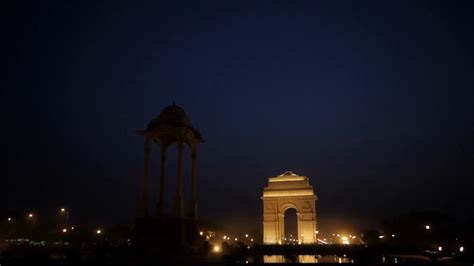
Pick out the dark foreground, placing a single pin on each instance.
(127, 255)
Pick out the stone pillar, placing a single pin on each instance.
(193, 198)
(143, 202)
(161, 195)
(299, 231)
(281, 228)
(178, 204)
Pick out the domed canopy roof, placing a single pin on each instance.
(172, 115)
(171, 119)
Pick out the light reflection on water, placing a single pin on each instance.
(305, 259)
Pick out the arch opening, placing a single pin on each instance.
(290, 228)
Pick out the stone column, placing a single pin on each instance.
(300, 231)
(281, 228)
(178, 205)
(161, 195)
(143, 202)
(193, 198)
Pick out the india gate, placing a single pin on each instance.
(284, 192)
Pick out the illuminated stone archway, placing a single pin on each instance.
(283, 192)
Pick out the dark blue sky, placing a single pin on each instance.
(372, 101)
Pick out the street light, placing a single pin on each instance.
(30, 215)
(427, 227)
(98, 231)
(64, 211)
(64, 230)
(9, 219)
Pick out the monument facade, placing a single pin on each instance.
(284, 192)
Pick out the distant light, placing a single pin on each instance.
(246, 235)
(353, 237)
(461, 249)
(317, 232)
(72, 227)
(393, 235)
(235, 239)
(63, 209)
(251, 240)
(228, 238)
(427, 227)
(345, 240)
(9, 219)
(64, 230)
(440, 248)
(224, 237)
(201, 233)
(338, 235)
(30, 215)
(381, 236)
(324, 242)
(216, 249)
(98, 232)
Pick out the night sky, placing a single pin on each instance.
(373, 101)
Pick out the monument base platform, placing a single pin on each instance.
(165, 236)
